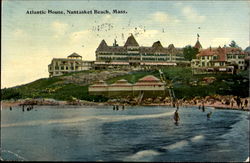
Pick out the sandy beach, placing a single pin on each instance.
(217, 104)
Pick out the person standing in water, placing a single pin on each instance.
(209, 115)
(176, 116)
(203, 107)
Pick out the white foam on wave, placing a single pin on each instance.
(197, 138)
(143, 155)
(176, 145)
(15, 154)
(109, 118)
(132, 117)
(44, 122)
(147, 154)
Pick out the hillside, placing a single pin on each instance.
(76, 84)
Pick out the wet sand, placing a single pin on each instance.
(216, 105)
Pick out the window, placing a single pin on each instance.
(62, 68)
(67, 68)
(56, 68)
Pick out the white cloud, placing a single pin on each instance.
(220, 41)
(160, 17)
(148, 37)
(192, 15)
(163, 17)
(59, 28)
(150, 33)
(78, 36)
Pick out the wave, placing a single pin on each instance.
(147, 154)
(184, 143)
(197, 138)
(15, 154)
(142, 155)
(84, 118)
(176, 145)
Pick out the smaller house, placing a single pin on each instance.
(216, 60)
(149, 85)
(73, 63)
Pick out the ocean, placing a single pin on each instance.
(137, 133)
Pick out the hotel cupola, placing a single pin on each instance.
(75, 56)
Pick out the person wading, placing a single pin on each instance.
(209, 115)
(176, 116)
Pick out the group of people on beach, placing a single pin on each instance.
(241, 104)
(29, 107)
(233, 102)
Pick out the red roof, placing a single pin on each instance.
(149, 78)
(220, 52)
(99, 83)
(121, 82)
(208, 52)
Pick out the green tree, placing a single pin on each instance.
(10, 93)
(233, 44)
(190, 52)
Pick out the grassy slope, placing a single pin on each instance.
(225, 84)
(55, 88)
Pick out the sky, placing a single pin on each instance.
(30, 41)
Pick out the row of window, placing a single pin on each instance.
(126, 59)
(235, 56)
(241, 62)
(211, 64)
(138, 54)
(68, 63)
(66, 68)
(210, 57)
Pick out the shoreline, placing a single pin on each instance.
(30, 102)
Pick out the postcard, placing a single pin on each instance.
(154, 81)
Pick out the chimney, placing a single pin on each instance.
(115, 43)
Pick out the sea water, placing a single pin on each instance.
(67, 133)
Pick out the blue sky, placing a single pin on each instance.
(29, 42)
